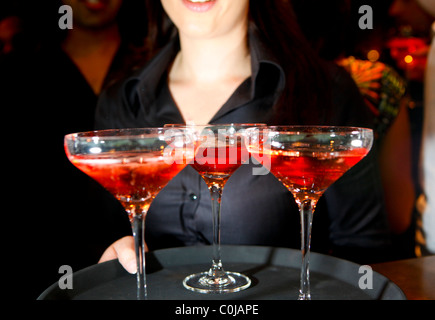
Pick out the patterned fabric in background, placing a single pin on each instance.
(382, 88)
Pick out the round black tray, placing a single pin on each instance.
(274, 273)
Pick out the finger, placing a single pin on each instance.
(109, 254)
(123, 250)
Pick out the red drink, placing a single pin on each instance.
(133, 178)
(219, 152)
(219, 163)
(313, 172)
(307, 160)
(133, 164)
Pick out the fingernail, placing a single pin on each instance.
(131, 266)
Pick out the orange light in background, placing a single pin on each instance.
(373, 55)
(408, 58)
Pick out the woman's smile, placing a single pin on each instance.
(203, 19)
(199, 5)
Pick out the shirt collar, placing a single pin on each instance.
(145, 84)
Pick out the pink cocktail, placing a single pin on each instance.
(307, 160)
(133, 165)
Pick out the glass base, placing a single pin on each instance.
(226, 283)
(304, 296)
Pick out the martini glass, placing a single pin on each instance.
(219, 151)
(307, 160)
(133, 165)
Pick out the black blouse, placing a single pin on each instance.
(350, 218)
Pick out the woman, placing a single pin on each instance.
(246, 61)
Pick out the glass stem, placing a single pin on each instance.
(138, 228)
(216, 196)
(306, 208)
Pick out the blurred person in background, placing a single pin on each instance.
(51, 89)
(334, 32)
(428, 143)
(414, 20)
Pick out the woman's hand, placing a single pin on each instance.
(123, 250)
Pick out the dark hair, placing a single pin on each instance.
(159, 27)
(327, 27)
(306, 85)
